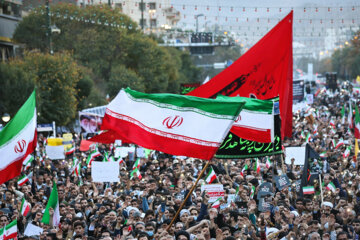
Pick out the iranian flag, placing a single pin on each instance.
(18, 140)
(92, 156)
(308, 138)
(343, 115)
(175, 124)
(333, 142)
(27, 162)
(217, 203)
(268, 162)
(244, 169)
(120, 160)
(309, 190)
(357, 123)
(257, 166)
(70, 151)
(10, 231)
(252, 192)
(22, 180)
(340, 143)
(136, 172)
(136, 164)
(331, 186)
(332, 123)
(2, 233)
(211, 176)
(256, 120)
(322, 154)
(25, 207)
(54, 204)
(347, 152)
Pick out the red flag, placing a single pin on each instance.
(265, 71)
(108, 137)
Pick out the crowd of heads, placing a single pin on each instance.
(142, 209)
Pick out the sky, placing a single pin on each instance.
(250, 20)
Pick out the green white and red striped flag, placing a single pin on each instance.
(106, 157)
(268, 162)
(331, 186)
(136, 164)
(347, 152)
(70, 151)
(333, 131)
(302, 135)
(92, 156)
(252, 192)
(333, 142)
(2, 230)
(136, 172)
(54, 204)
(308, 137)
(22, 180)
(357, 123)
(176, 124)
(332, 123)
(339, 143)
(217, 203)
(322, 154)
(18, 140)
(257, 166)
(343, 115)
(211, 176)
(244, 169)
(27, 162)
(309, 190)
(25, 207)
(10, 231)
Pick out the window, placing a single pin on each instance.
(152, 6)
(152, 23)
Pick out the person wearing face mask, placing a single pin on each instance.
(150, 229)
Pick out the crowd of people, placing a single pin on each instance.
(143, 209)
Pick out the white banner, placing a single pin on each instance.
(55, 152)
(298, 153)
(105, 171)
(214, 191)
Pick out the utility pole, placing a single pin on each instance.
(142, 14)
(48, 26)
(109, 3)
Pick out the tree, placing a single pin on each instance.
(55, 78)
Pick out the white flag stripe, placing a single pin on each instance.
(27, 134)
(154, 116)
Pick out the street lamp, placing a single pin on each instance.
(5, 118)
(197, 23)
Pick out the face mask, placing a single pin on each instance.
(87, 212)
(150, 233)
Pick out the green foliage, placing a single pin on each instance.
(346, 61)
(55, 78)
(122, 77)
(16, 87)
(105, 41)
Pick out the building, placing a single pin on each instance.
(154, 15)
(10, 15)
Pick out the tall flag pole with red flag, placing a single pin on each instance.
(263, 72)
(18, 140)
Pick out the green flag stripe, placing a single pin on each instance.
(251, 104)
(187, 103)
(19, 121)
(53, 201)
(10, 225)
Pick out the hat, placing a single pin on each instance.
(155, 161)
(137, 214)
(184, 211)
(328, 204)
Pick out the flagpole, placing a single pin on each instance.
(321, 191)
(188, 195)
